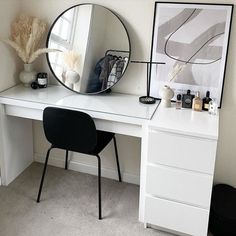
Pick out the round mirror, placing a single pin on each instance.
(94, 48)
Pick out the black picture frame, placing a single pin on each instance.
(196, 53)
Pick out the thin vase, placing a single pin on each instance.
(166, 94)
(72, 77)
(28, 75)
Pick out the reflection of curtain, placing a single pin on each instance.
(61, 38)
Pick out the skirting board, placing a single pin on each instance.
(88, 169)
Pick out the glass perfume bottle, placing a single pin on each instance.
(197, 102)
(187, 100)
(178, 102)
(213, 107)
(205, 101)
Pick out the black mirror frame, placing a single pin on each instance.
(47, 43)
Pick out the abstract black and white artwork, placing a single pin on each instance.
(192, 39)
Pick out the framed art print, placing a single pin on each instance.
(192, 39)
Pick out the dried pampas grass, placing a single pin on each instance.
(71, 60)
(26, 35)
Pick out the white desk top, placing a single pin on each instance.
(186, 121)
(113, 104)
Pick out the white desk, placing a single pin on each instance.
(178, 149)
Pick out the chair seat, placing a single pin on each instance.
(103, 138)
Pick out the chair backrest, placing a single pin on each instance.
(70, 130)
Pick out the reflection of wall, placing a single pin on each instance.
(138, 17)
(95, 44)
(111, 39)
(81, 38)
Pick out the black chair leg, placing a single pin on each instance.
(99, 189)
(44, 171)
(117, 159)
(66, 162)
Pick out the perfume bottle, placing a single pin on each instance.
(187, 100)
(205, 101)
(197, 103)
(178, 102)
(213, 107)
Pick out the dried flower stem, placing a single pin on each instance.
(26, 35)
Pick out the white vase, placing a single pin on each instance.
(28, 75)
(166, 95)
(71, 78)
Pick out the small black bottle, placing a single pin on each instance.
(187, 100)
(205, 101)
(42, 80)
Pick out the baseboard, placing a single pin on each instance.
(89, 169)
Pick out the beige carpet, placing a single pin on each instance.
(68, 206)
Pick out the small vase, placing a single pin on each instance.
(166, 94)
(71, 78)
(28, 75)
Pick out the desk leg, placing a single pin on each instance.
(144, 147)
(16, 146)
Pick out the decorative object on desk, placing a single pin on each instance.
(205, 101)
(197, 102)
(26, 35)
(71, 75)
(42, 80)
(166, 95)
(100, 39)
(187, 99)
(213, 107)
(193, 41)
(34, 85)
(28, 75)
(148, 99)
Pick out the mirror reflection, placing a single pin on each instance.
(94, 48)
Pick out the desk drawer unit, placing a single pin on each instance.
(176, 216)
(178, 185)
(179, 177)
(181, 151)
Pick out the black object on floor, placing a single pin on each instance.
(223, 211)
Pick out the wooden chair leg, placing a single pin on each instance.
(44, 172)
(117, 159)
(99, 189)
(66, 162)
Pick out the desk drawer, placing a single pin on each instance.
(175, 216)
(179, 185)
(182, 151)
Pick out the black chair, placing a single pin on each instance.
(75, 131)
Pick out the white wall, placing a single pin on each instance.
(9, 63)
(137, 16)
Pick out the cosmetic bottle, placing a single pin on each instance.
(213, 107)
(187, 100)
(197, 103)
(178, 103)
(205, 101)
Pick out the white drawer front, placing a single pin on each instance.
(176, 216)
(179, 185)
(182, 151)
